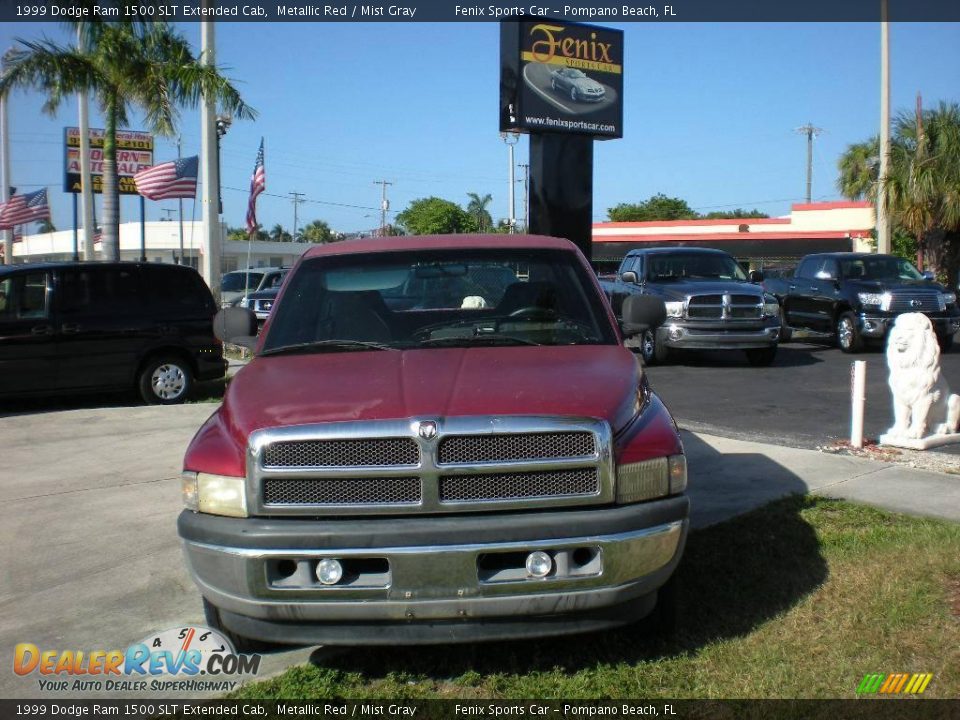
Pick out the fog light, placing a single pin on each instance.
(539, 564)
(675, 332)
(329, 571)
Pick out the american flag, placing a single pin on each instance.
(174, 179)
(258, 183)
(23, 209)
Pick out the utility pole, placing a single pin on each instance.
(384, 205)
(86, 181)
(511, 139)
(169, 212)
(811, 132)
(883, 221)
(526, 196)
(297, 198)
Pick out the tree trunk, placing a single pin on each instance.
(942, 251)
(111, 188)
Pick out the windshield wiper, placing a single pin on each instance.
(482, 339)
(327, 345)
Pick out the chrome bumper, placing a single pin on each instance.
(436, 583)
(877, 326)
(682, 336)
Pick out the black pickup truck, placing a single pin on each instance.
(711, 303)
(857, 296)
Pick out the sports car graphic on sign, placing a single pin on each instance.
(575, 83)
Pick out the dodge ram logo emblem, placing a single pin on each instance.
(427, 430)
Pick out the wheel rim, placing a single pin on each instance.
(168, 381)
(845, 332)
(647, 346)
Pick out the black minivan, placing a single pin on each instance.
(75, 327)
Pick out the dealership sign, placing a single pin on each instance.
(134, 153)
(561, 77)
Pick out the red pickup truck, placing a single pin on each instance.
(439, 439)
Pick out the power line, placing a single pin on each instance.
(306, 200)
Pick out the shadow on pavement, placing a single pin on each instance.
(733, 577)
(789, 355)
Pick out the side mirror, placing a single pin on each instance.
(756, 276)
(629, 277)
(237, 326)
(641, 313)
(824, 275)
(928, 275)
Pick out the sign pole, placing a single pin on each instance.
(76, 232)
(143, 230)
(561, 188)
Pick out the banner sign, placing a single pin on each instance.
(134, 153)
(561, 77)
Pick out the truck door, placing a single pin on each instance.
(824, 293)
(28, 341)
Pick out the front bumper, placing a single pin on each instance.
(442, 579)
(877, 325)
(686, 334)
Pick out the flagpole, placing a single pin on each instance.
(180, 203)
(76, 234)
(143, 230)
(7, 235)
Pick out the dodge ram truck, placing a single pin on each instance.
(483, 461)
(711, 303)
(857, 296)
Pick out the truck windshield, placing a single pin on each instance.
(693, 266)
(233, 281)
(411, 300)
(879, 267)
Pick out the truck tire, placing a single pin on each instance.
(653, 353)
(211, 614)
(165, 380)
(848, 336)
(761, 357)
(786, 334)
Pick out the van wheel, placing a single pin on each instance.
(165, 380)
(848, 336)
(761, 357)
(211, 614)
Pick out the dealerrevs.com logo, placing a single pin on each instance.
(190, 659)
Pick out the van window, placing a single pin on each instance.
(24, 297)
(99, 291)
(173, 288)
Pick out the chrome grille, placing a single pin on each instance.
(915, 301)
(511, 486)
(375, 452)
(512, 447)
(342, 491)
(725, 307)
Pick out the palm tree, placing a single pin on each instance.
(46, 226)
(317, 232)
(278, 234)
(922, 184)
(477, 208)
(126, 66)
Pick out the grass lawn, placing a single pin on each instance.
(796, 600)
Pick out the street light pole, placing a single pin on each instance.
(511, 139)
(883, 220)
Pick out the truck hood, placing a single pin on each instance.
(679, 289)
(598, 381)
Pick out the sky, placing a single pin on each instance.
(710, 114)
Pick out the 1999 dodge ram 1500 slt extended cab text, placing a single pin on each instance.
(711, 303)
(484, 460)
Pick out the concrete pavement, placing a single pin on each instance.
(89, 499)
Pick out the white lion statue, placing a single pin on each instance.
(922, 402)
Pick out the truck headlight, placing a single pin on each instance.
(214, 494)
(651, 479)
(674, 309)
(947, 299)
(872, 299)
(771, 308)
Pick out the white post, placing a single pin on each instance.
(86, 183)
(211, 181)
(858, 386)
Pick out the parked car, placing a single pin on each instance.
(580, 86)
(261, 302)
(711, 303)
(72, 327)
(236, 284)
(857, 296)
(451, 471)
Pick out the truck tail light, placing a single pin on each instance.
(651, 479)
